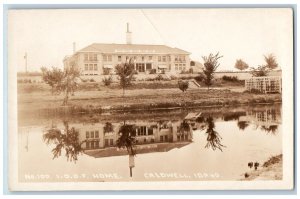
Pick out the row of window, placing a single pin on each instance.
(143, 130)
(179, 58)
(92, 134)
(164, 58)
(93, 144)
(90, 67)
(90, 57)
(179, 66)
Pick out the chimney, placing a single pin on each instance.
(74, 47)
(128, 35)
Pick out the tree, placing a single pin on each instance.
(213, 137)
(211, 64)
(127, 138)
(52, 77)
(271, 62)
(183, 86)
(62, 81)
(67, 140)
(260, 71)
(263, 70)
(241, 65)
(125, 71)
(69, 83)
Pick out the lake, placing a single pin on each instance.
(178, 145)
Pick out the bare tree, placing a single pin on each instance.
(241, 65)
(211, 64)
(125, 71)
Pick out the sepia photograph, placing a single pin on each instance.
(150, 99)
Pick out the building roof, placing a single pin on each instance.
(132, 49)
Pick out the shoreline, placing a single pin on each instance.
(270, 170)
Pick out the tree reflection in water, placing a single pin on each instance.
(271, 129)
(67, 140)
(242, 125)
(213, 137)
(127, 138)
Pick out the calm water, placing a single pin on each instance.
(207, 144)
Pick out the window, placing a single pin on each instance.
(86, 67)
(87, 134)
(166, 138)
(143, 58)
(92, 145)
(140, 67)
(106, 142)
(92, 134)
(150, 131)
(161, 138)
(97, 144)
(95, 67)
(164, 58)
(169, 58)
(107, 58)
(91, 67)
(111, 142)
(95, 57)
(87, 144)
(96, 134)
(86, 57)
(119, 58)
(159, 58)
(148, 66)
(150, 58)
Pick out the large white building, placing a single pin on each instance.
(101, 59)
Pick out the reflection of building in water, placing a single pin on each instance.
(265, 117)
(266, 84)
(159, 136)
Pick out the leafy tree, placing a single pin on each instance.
(183, 86)
(125, 71)
(211, 64)
(263, 70)
(62, 81)
(69, 83)
(67, 140)
(260, 71)
(127, 138)
(241, 65)
(52, 77)
(271, 62)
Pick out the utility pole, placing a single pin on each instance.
(25, 57)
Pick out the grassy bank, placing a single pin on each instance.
(106, 99)
(270, 170)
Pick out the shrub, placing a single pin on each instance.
(199, 78)
(106, 71)
(92, 80)
(159, 77)
(107, 80)
(173, 77)
(152, 71)
(230, 78)
(191, 71)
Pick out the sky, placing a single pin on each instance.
(47, 36)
